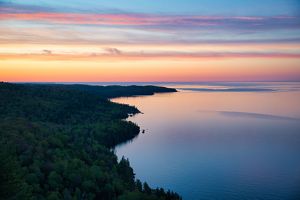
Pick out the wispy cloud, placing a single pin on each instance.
(100, 33)
(116, 54)
(47, 52)
(113, 51)
(158, 21)
(59, 34)
(59, 25)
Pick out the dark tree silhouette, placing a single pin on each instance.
(56, 143)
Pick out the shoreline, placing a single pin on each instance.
(57, 139)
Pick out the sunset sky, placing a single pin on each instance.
(144, 40)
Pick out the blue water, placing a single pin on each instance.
(219, 144)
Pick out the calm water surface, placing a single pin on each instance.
(219, 144)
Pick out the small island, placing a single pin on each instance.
(56, 143)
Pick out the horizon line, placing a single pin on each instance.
(254, 81)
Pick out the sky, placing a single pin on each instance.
(144, 40)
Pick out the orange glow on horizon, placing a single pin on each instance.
(72, 62)
(237, 69)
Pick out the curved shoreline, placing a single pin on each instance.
(56, 139)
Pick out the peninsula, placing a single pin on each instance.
(56, 140)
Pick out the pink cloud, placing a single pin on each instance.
(155, 20)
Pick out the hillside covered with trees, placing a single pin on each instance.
(56, 143)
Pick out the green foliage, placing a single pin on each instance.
(118, 91)
(12, 183)
(147, 189)
(56, 143)
(139, 185)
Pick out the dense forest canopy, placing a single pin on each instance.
(56, 143)
(112, 91)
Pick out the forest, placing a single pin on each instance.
(57, 142)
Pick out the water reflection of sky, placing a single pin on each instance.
(240, 86)
(219, 145)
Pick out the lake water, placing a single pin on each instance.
(219, 140)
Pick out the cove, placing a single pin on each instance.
(218, 145)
